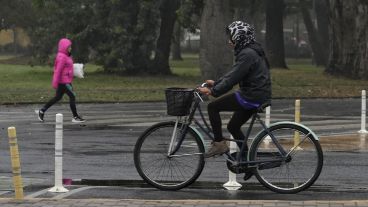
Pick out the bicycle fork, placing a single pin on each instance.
(173, 138)
(183, 130)
(175, 142)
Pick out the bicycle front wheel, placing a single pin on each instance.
(166, 172)
(299, 169)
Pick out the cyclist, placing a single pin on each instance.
(251, 72)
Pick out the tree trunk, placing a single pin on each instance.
(257, 19)
(176, 49)
(274, 33)
(240, 10)
(319, 52)
(321, 10)
(349, 35)
(297, 35)
(215, 55)
(160, 63)
(15, 40)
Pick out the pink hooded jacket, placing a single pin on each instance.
(63, 67)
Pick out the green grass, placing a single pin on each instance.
(4, 57)
(25, 84)
(189, 66)
(310, 81)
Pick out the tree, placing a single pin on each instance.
(215, 56)
(15, 14)
(321, 11)
(131, 35)
(121, 34)
(349, 29)
(274, 33)
(55, 20)
(189, 14)
(318, 46)
(160, 63)
(176, 48)
(188, 20)
(250, 11)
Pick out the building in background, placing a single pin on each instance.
(14, 41)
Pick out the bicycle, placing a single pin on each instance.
(285, 157)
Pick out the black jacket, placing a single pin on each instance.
(251, 72)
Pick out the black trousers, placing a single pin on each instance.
(63, 88)
(240, 116)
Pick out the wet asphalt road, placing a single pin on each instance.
(102, 150)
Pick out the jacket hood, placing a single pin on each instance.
(63, 45)
(258, 48)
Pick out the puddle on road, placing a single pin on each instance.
(346, 143)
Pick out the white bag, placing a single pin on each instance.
(78, 70)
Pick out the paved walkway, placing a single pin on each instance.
(173, 203)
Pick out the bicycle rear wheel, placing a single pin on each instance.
(168, 172)
(296, 172)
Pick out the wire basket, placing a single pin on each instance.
(179, 101)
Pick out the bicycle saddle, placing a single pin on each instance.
(261, 108)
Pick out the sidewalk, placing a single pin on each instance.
(186, 203)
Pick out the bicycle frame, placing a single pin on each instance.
(238, 160)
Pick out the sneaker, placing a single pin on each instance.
(78, 119)
(217, 148)
(41, 114)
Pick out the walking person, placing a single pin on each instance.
(251, 72)
(62, 80)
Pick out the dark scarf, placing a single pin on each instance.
(242, 35)
(258, 48)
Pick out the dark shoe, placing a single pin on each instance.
(41, 114)
(78, 119)
(217, 148)
(247, 175)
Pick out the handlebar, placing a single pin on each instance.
(198, 93)
(204, 85)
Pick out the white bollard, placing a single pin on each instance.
(268, 115)
(362, 128)
(267, 122)
(232, 184)
(59, 188)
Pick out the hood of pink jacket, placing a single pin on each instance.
(63, 67)
(63, 45)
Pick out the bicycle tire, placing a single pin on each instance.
(161, 171)
(300, 170)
